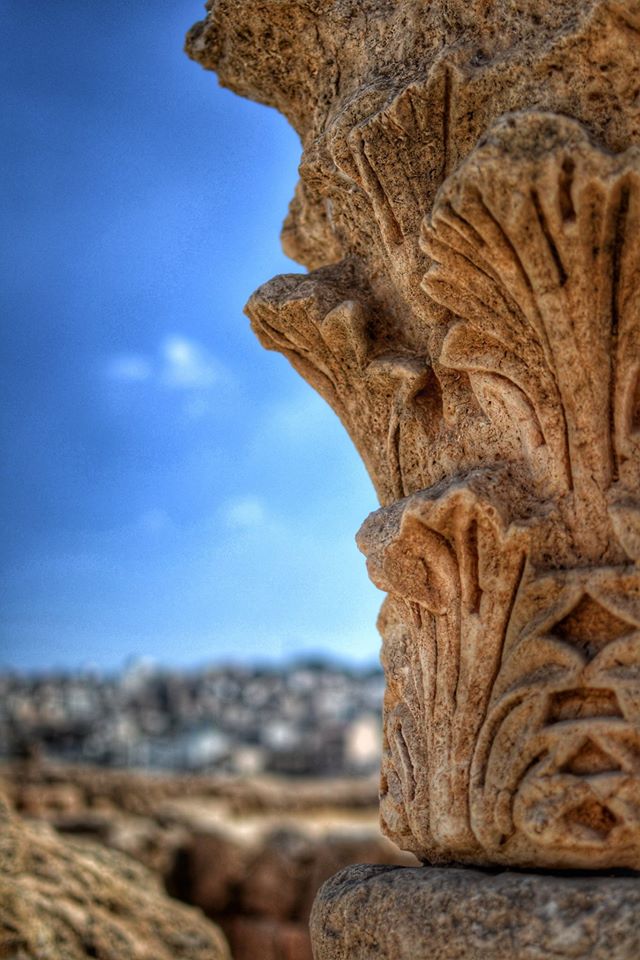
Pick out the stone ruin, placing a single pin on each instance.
(469, 211)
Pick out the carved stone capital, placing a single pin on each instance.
(469, 209)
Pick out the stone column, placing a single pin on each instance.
(469, 213)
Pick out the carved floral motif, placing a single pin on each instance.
(534, 248)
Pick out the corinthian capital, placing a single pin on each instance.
(469, 213)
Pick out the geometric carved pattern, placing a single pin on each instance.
(561, 739)
(590, 627)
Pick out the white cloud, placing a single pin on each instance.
(179, 363)
(244, 513)
(187, 365)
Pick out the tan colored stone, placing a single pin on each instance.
(367, 912)
(263, 938)
(145, 840)
(70, 901)
(278, 876)
(59, 798)
(262, 870)
(469, 206)
(209, 870)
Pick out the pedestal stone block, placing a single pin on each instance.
(443, 913)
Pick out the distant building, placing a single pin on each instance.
(310, 719)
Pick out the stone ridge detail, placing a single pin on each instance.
(469, 207)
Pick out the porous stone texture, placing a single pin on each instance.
(71, 901)
(469, 212)
(366, 912)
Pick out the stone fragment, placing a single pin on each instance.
(209, 870)
(267, 939)
(70, 901)
(277, 877)
(367, 912)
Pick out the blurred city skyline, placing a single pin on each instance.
(169, 488)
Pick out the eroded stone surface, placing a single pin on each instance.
(71, 901)
(462, 914)
(468, 207)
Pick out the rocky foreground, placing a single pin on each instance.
(65, 900)
(251, 854)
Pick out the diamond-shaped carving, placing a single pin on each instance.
(591, 627)
(592, 818)
(590, 759)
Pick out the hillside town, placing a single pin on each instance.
(305, 719)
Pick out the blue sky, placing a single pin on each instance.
(169, 489)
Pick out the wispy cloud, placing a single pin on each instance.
(187, 365)
(179, 363)
(244, 513)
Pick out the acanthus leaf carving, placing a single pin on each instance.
(533, 248)
(454, 560)
(379, 388)
(503, 740)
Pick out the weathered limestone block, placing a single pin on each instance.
(462, 914)
(66, 901)
(469, 209)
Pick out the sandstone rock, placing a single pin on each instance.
(68, 901)
(468, 209)
(208, 871)
(63, 798)
(278, 877)
(367, 912)
(267, 939)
